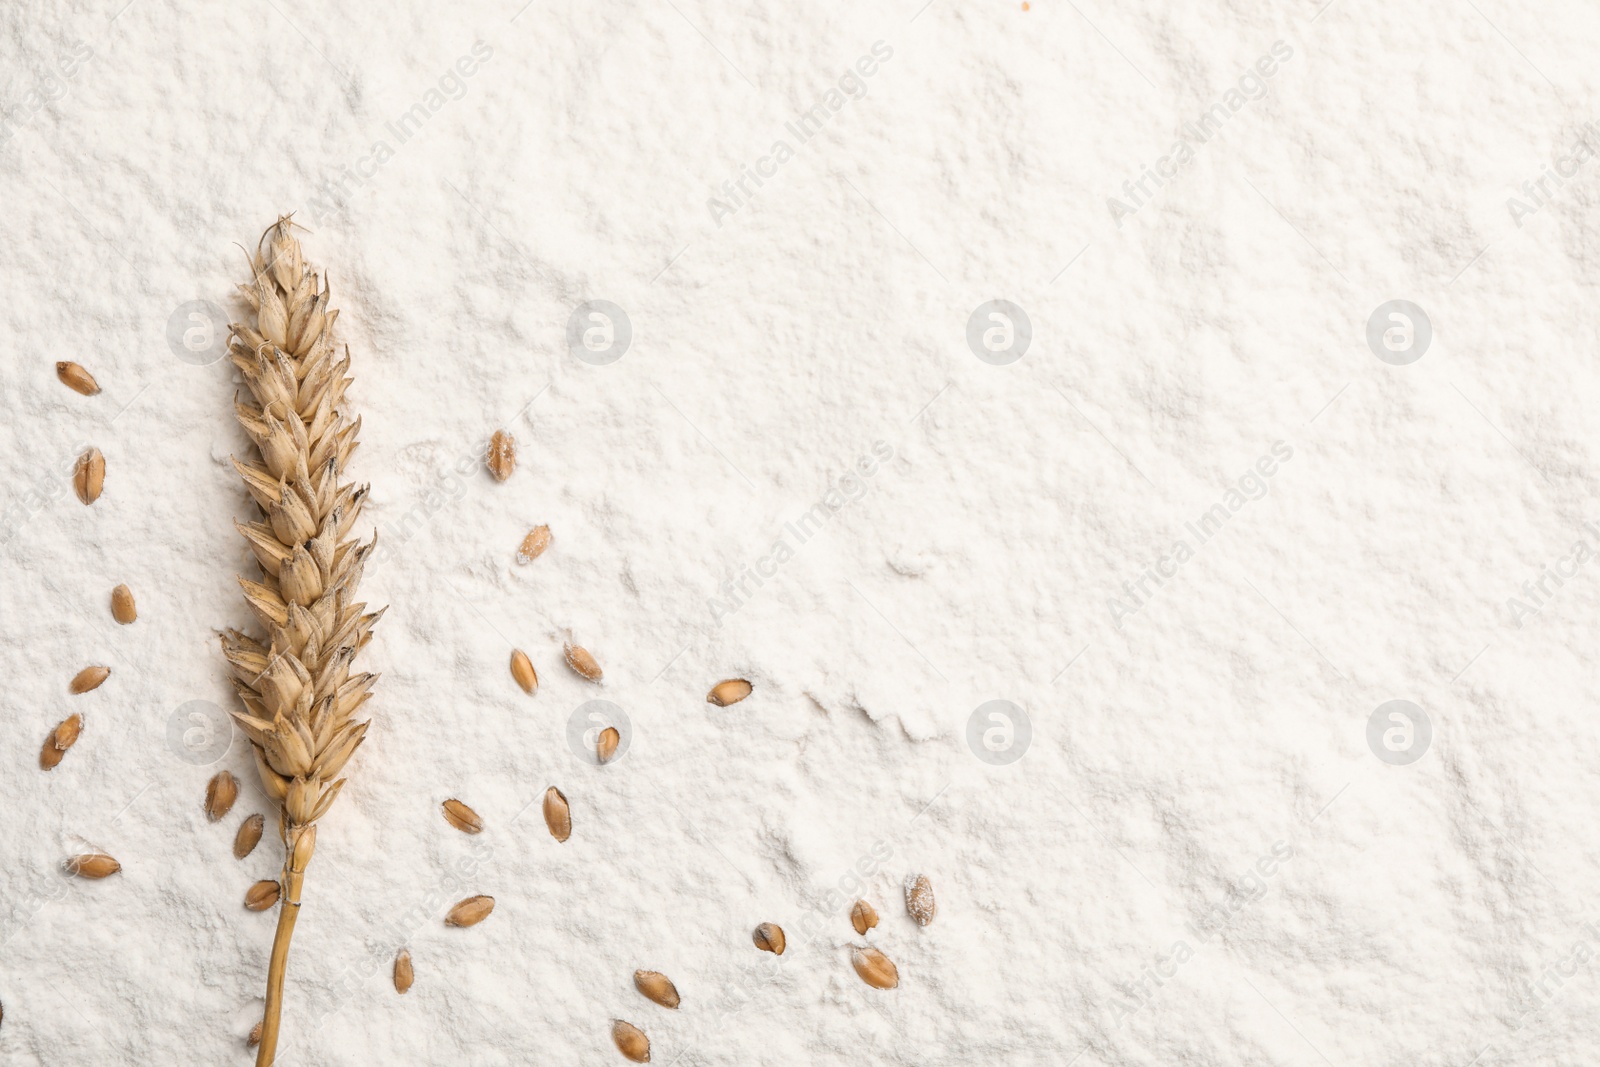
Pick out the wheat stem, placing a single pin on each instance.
(296, 687)
(294, 877)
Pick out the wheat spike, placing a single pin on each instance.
(299, 694)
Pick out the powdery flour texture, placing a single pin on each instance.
(1140, 454)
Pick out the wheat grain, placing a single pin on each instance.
(875, 969)
(63, 737)
(122, 608)
(863, 917)
(89, 475)
(502, 457)
(88, 679)
(249, 835)
(920, 904)
(221, 792)
(631, 1041)
(769, 938)
(462, 817)
(557, 814)
(580, 660)
(534, 544)
(730, 692)
(262, 895)
(658, 987)
(522, 670)
(471, 911)
(93, 865)
(403, 973)
(605, 746)
(74, 377)
(296, 685)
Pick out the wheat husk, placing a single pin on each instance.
(299, 693)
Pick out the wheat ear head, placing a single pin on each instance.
(298, 692)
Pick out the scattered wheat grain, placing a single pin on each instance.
(730, 692)
(89, 678)
(875, 969)
(249, 835)
(263, 895)
(74, 377)
(920, 904)
(557, 815)
(89, 475)
(631, 1041)
(656, 986)
(471, 911)
(522, 670)
(92, 865)
(502, 458)
(221, 792)
(57, 741)
(579, 659)
(403, 974)
(122, 608)
(769, 938)
(534, 544)
(462, 817)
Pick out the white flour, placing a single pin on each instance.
(1211, 851)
